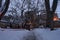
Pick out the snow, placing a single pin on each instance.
(12, 35)
(46, 34)
(35, 34)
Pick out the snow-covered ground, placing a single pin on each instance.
(36, 34)
(46, 34)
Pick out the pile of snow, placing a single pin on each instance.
(36, 34)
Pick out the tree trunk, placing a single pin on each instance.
(6, 5)
(47, 5)
(0, 3)
(54, 6)
(50, 13)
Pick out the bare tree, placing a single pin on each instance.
(4, 8)
(50, 13)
